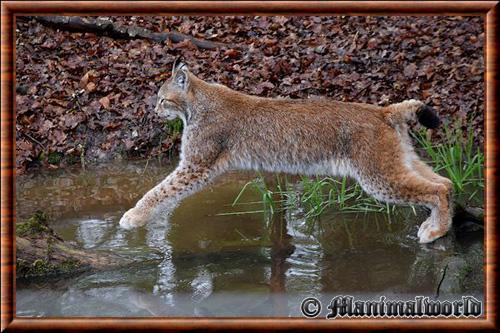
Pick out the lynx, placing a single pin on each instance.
(225, 129)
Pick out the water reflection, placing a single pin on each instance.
(91, 232)
(197, 262)
(156, 236)
(305, 261)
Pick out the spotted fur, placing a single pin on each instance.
(225, 129)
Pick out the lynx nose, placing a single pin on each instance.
(157, 108)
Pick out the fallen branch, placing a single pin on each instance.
(104, 26)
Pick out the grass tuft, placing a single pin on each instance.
(311, 197)
(457, 158)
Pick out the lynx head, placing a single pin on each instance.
(174, 95)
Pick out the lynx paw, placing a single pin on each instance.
(425, 225)
(132, 219)
(429, 232)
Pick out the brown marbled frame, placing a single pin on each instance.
(9, 322)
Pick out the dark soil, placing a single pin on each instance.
(84, 97)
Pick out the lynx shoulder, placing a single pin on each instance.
(225, 129)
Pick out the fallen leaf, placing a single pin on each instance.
(90, 87)
(105, 102)
(410, 70)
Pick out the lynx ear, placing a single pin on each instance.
(180, 73)
(181, 78)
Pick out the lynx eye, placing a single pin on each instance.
(169, 103)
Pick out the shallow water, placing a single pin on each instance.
(203, 262)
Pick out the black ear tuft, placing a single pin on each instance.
(180, 73)
(428, 117)
(178, 63)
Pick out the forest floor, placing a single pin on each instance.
(83, 97)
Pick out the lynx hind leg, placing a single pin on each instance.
(426, 171)
(399, 184)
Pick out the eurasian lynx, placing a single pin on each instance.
(225, 129)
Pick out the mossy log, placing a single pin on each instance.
(41, 253)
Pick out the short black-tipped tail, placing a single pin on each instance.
(428, 117)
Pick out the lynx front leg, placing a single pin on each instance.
(183, 181)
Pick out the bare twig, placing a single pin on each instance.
(34, 140)
(436, 296)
